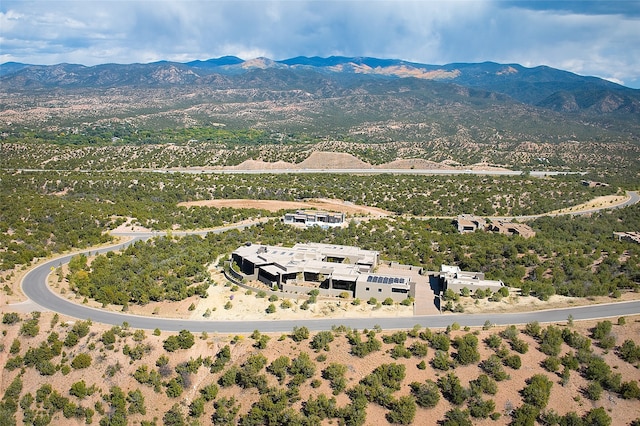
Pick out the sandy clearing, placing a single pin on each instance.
(275, 205)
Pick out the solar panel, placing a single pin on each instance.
(385, 280)
(369, 278)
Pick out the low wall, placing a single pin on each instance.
(291, 288)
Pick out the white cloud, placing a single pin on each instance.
(588, 39)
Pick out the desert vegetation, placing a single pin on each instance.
(81, 372)
(51, 212)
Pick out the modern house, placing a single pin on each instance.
(510, 228)
(308, 218)
(332, 269)
(633, 237)
(452, 277)
(469, 223)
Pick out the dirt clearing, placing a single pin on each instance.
(275, 205)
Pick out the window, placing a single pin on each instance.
(379, 290)
(367, 289)
(399, 290)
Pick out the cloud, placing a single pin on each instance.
(588, 37)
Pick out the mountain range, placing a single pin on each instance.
(543, 87)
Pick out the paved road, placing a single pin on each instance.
(370, 171)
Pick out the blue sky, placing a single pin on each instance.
(595, 37)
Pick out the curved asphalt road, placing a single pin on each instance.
(34, 285)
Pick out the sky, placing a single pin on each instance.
(589, 37)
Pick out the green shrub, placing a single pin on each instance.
(427, 394)
(300, 333)
(593, 391)
(10, 318)
(81, 361)
(512, 361)
(321, 340)
(537, 391)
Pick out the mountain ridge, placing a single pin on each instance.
(540, 86)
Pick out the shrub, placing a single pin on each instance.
(10, 318)
(597, 417)
(81, 361)
(441, 361)
(519, 346)
(407, 302)
(440, 341)
(174, 417)
(174, 387)
(524, 415)
(551, 363)
(303, 367)
(418, 349)
(452, 390)
(533, 329)
(399, 351)
(467, 349)
(388, 301)
(427, 394)
(398, 338)
(630, 390)
(279, 367)
(285, 304)
(493, 367)
(403, 410)
(15, 347)
(601, 329)
(79, 389)
(537, 391)
(300, 333)
(593, 391)
(321, 341)
(30, 328)
(335, 374)
(480, 408)
(456, 417)
(271, 308)
(629, 351)
(510, 332)
(483, 385)
(512, 361)
(493, 341)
